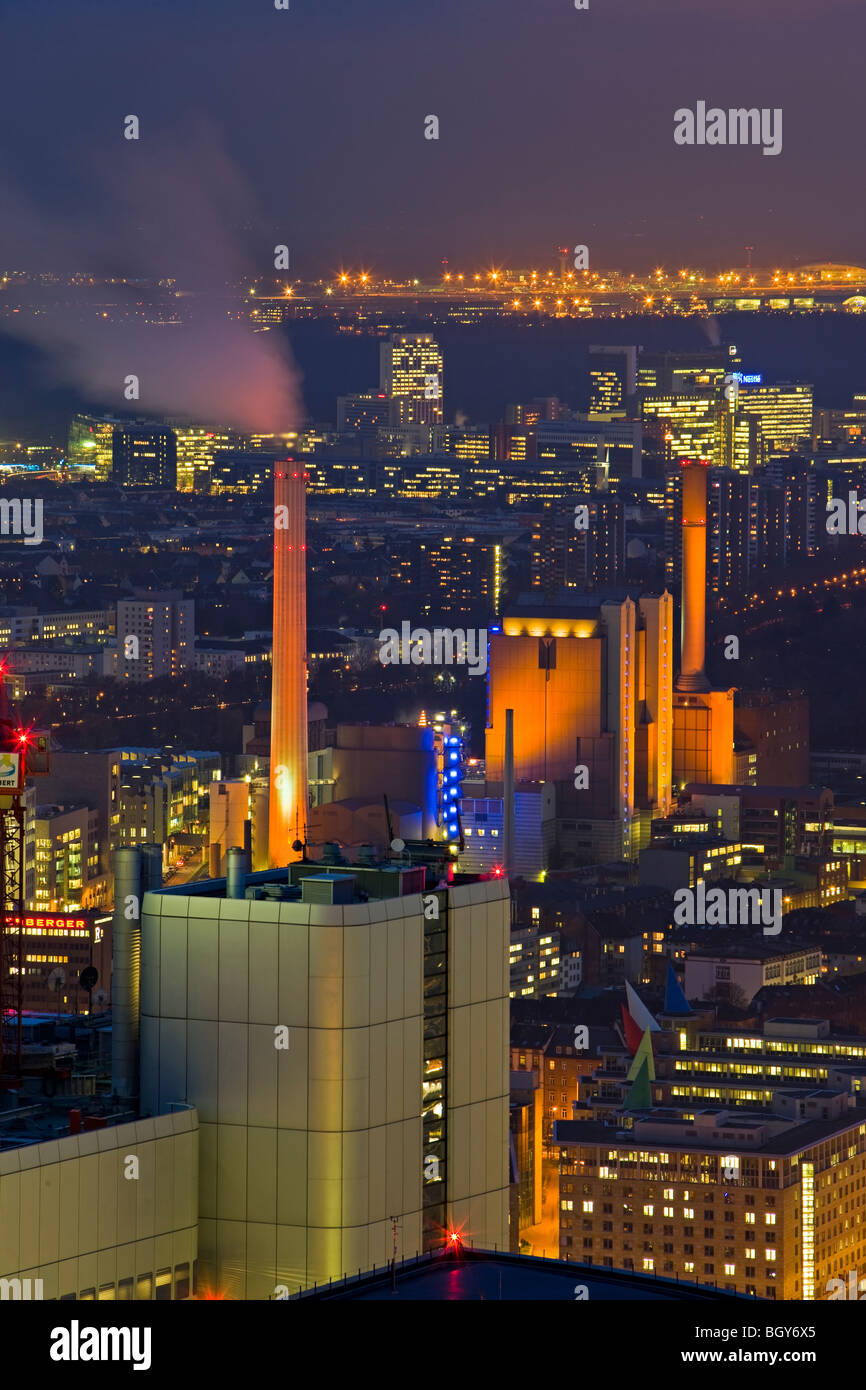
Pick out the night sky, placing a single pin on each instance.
(556, 126)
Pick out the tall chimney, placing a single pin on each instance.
(508, 795)
(694, 595)
(287, 809)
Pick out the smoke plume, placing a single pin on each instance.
(185, 215)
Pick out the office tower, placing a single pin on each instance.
(612, 379)
(67, 858)
(91, 444)
(288, 797)
(140, 795)
(155, 635)
(784, 411)
(728, 540)
(741, 445)
(465, 442)
(144, 456)
(196, 447)
(684, 426)
(242, 472)
(611, 447)
(703, 717)
(677, 373)
(342, 1030)
(364, 412)
(456, 575)
(527, 415)
(590, 685)
(563, 557)
(411, 376)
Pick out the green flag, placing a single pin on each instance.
(639, 1096)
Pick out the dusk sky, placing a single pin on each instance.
(556, 127)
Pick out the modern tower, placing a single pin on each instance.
(410, 374)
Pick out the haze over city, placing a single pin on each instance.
(432, 586)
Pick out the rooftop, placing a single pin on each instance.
(482, 1275)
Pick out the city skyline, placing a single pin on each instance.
(432, 770)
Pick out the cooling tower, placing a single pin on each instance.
(694, 596)
(287, 812)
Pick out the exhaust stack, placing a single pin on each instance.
(694, 590)
(288, 799)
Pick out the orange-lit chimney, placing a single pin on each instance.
(694, 599)
(287, 806)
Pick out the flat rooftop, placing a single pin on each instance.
(791, 1139)
(482, 1275)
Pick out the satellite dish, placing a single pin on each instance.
(88, 977)
(99, 997)
(398, 845)
(56, 980)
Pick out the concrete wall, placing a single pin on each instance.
(70, 1217)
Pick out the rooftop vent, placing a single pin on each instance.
(328, 889)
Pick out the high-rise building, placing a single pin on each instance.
(785, 412)
(565, 557)
(612, 379)
(676, 373)
(155, 635)
(458, 575)
(144, 456)
(343, 1032)
(684, 426)
(196, 447)
(364, 412)
(68, 873)
(91, 444)
(611, 447)
(411, 376)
